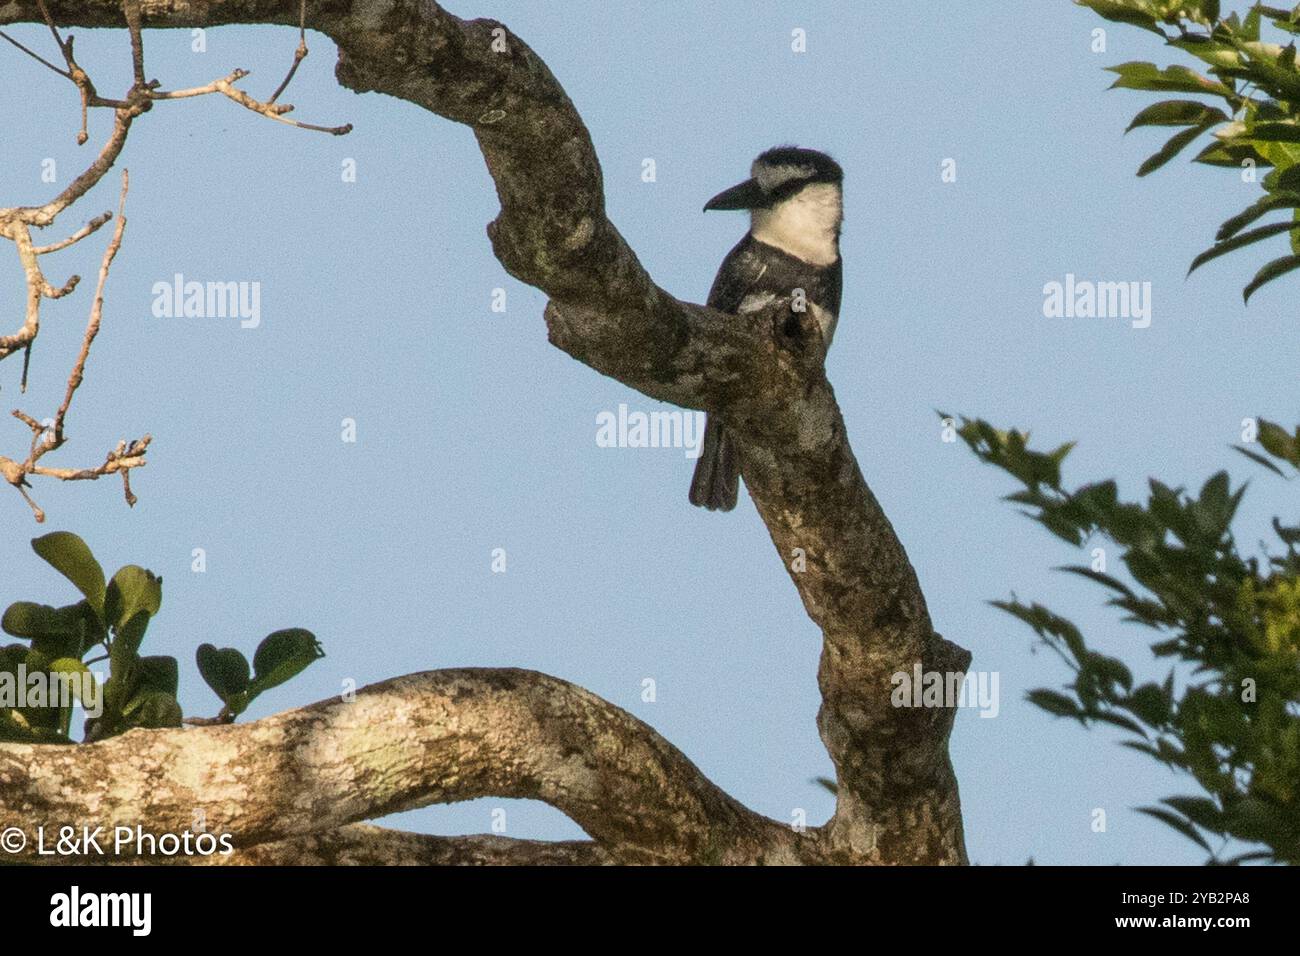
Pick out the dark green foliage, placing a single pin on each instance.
(1228, 712)
(279, 657)
(112, 618)
(1259, 126)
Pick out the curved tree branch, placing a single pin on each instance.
(434, 737)
(361, 844)
(898, 800)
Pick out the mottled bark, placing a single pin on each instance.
(435, 737)
(361, 844)
(898, 800)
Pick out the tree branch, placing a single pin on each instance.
(898, 800)
(361, 844)
(434, 737)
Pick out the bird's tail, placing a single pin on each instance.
(717, 472)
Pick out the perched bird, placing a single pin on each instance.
(794, 199)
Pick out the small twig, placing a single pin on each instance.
(16, 224)
(226, 87)
(234, 77)
(299, 54)
(77, 236)
(54, 31)
(45, 439)
(36, 509)
(96, 315)
(222, 718)
(36, 56)
(52, 293)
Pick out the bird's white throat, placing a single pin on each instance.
(807, 225)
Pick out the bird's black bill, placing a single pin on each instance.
(747, 195)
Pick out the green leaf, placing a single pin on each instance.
(1150, 703)
(281, 655)
(1138, 13)
(225, 670)
(58, 632)
(1177, 143)
(1231, 153)
(1281, 200)
(1177, 78)
(153, 708)
(1177, 113)
(132, 590)
(1119, 720)
(1111, 669)
(1275, 132)
(1278, 442)
(1201, 811)
(1274, 270)
(1250, 818)
(1250, 26)
(1054, 703)
(1259, 459)
(1177, 822)
(1290, 535)
(1099, 576)
(71, 557)
(27, 619)
(124, 653)
(14, 728)
(1047, 625)
(78, 674)
(1239, 240)
(11, 655)
(158, 672)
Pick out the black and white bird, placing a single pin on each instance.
(795, 200)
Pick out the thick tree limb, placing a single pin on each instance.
(360, 844)
(435, 737)
(898, 800)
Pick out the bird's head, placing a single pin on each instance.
(795, 201)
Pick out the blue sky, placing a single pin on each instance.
(473, 434)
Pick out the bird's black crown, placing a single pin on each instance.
(823, 169)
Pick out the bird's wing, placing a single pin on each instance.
(753, 274)
(738, 275)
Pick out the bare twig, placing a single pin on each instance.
(17, 223)
(96, 315)
(270, 109)
(299, 54)
(47, 439)
(36, 56)
(77, 236)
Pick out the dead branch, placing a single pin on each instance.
(16, 225)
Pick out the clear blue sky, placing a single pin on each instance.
(474, 434)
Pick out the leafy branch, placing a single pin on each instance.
(40, 679)
(1258, 126)
(1228, 710)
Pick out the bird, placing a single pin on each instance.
(795, 201)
